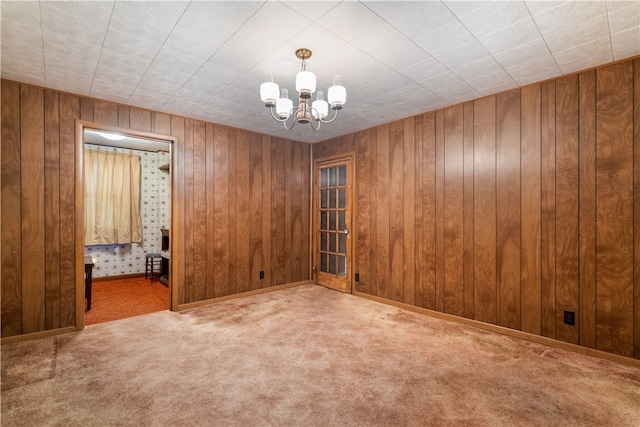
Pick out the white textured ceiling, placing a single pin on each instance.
(206, 60)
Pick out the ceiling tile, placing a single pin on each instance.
(98, 12)
(460, 8)
(350, 20)
(382, 39)
(115, 89)
(65, 53)
(130, 46)
(485, 66)
(626, 43)
(624, 18)
(404, 56)
(17, 67)
(537, 70)
(536, 7)
(412, 19)
(63, 24)
(21, 42)
(578, 58)
(215, 21)
(70, 82)
(127, 19)
(470, 52)
(175, 60)
(312, 10)
(444, 38)
(509, 37)
(423, 70)
(25, 13)
(501, 14)
(533, 50)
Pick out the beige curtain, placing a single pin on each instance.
(111, 198)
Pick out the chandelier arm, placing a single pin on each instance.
(276, 117)
(294, 113)
(317, 126)
(335, 116)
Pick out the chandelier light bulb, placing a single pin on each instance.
(284, 105)
(319, 107)
(337, 95)
(305, 84)
(269, 91)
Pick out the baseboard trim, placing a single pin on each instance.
(190, 305)
(623, 360)
(124, 276)
(37, 335)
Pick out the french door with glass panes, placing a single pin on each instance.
(333, 204)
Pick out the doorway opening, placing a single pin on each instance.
(123, 277)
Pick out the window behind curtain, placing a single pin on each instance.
(111, 198)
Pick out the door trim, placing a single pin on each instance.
(350, 159)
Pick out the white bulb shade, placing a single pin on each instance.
(320, 108)
(305, 83)
(337, 95)
(269, 92)
(283, 107)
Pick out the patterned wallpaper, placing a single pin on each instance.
(118, 260)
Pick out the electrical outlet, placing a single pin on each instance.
(569, 317)
(357, 277)
(262, 274)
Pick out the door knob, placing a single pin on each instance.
(346, 231)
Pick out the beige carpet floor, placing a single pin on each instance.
(307, 356)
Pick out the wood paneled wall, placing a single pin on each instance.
(241, 203)
(511, 209)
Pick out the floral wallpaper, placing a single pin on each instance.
(119, 260)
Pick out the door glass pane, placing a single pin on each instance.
(332, 176)
(324, 198)
(323, 262)
(332, 198)
(342, 175)
(323, 220)
(342, 266)
(332, 220)
(342, 224)
(332, 264)
(342, 244)
(332, 242)
(324, 178)
(342, 198)
(323, 241)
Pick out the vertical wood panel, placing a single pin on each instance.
(363, 196)
(278, 225)
(548, 208)
(467, 260)
(288, 241)
(615, 208)
(210, 192)
(530, 202)
(32, 208)
(69, 112)
(296, 226)
(161, 123)
(105, 112)
(567, 227)
(636, 209)
(86, 109)
(255, 218)
(10, 221)
(429, 211)
(199, 212)
(123, 116)
(305, 206)
(484, 209)
(140, 119)
(418, 213)
(396, 208)
(52, 209)
(508, 208)
(382, 212)
(409, 211)
(178, 210)
(453, 279)
(233, 179)
(440, 211)
(373, 283)
(221, 210)
(266, 213)
(242, 283)
(189, 220)
(587, 215)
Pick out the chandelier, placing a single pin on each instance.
(315, 112)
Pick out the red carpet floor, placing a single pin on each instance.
(119, 299)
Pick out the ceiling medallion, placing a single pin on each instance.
(315, 112)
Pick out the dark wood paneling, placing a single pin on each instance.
(587, 203)
(396, 209)
(105, 112)
(221, 210)
(178, 213)
(636, 208)
(210, 194)
(468, 245)
(382, 212)
(429, 211)
(256, 178)
(548, 208)
(453, 279)
(32, 208)
(508, 208)
(140, 119)
(199, 212)
(614, 164)
(567, 253)
(530, 203)
(408, 204)
(418, 260)
(485, 209)
(440, 262)
(10, 221)
(364, 247)
(189, 220)
(266, 213)
(52, 209)
(277, 209)
(243, 282)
